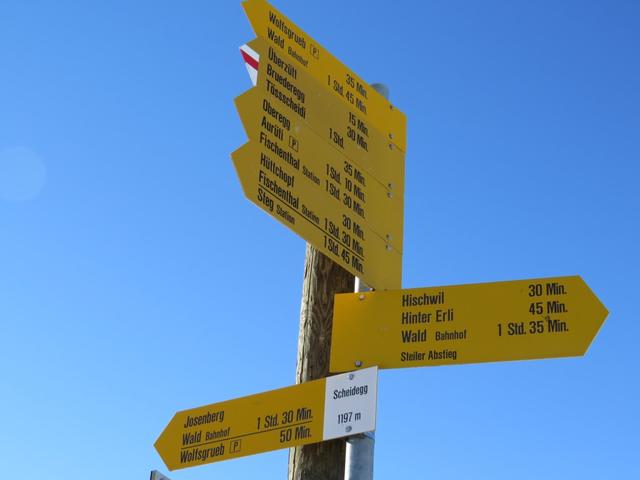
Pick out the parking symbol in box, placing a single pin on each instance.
(235, 446)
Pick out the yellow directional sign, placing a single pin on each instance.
(311, 412)
(486, 322)
(325, 153)
(275, 180)
(301, 50)
(316, 171)
(297, 100)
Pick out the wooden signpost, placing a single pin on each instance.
(325, 157)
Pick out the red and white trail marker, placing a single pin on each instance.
(251, 60)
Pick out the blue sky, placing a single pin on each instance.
(136, 280)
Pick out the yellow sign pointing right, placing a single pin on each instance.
(486, 322)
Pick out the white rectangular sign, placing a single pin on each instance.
(350, 403)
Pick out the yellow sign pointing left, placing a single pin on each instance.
(307, 54)
(310, 412)
(298, 101)
(289, 197)
(330, 177)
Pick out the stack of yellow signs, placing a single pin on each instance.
(326, 151)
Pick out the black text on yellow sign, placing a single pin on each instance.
(297, 100)
(311, 412)
(486, 322)
(318, 170)
(281, 190)
(345, 86)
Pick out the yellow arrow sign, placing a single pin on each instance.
(486, 322)
(299, 100)
(307, 54)
(311, 412)
(316, 171)
(271, 179)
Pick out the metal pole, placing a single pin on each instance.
(359, 457)
(156, 475)
(359, 452)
